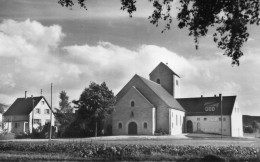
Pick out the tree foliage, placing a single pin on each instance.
(230, 19)
(95, 103)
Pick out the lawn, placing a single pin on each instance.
(184, 147)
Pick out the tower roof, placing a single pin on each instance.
(165, 67)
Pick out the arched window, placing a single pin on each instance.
(158, 81)
(145, 125)
(177, 83)
(132, 104)
(119, 125)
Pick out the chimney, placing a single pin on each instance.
(220, 96)
(32, 96)
(215, 95)
(201, 96)
(25, 94)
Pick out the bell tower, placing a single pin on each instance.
(167, 78)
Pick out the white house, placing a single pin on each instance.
(26, 113)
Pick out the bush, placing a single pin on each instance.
(248, 129)
(160, 132)
(7, 136)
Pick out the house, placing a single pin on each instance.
(145, 106)
(27, 113)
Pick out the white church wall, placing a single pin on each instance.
(236, 122)
(176, 120)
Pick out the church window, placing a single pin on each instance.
(219, 119)
(119, 125)
(132, 104)
(177, 83)
(145, 125)
(158, 81)
(132, 114)
(224, 119)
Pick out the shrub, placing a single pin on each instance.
(248, 129)
(7, 136)
(160, 132)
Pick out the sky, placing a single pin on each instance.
(42, 42)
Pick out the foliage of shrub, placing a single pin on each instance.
(7, 136)
(248, 129)
(160, 132)
(135, 152)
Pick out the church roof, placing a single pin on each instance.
(207, 105)
(153, 91)
(165, 67)
(23, 106)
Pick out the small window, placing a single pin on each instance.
(219, 119)
(43, 102)
(16, 125)
(132, 104)
(36, 121)
(177, 83)
(198, 119)
(37, 111)
(119, 125)
(205, 119)
(158, 81)
(46, 111)
(145, 125)
(224, 119)
(132, 114)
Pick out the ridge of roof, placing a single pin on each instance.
(162, 93)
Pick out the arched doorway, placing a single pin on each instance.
(189, 127)
(132, 128)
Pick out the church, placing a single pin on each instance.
(146, 106)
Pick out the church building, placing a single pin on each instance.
(146, 106)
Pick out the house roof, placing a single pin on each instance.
(163, 66)
(204, 105)
(153, 91)
(23, 106)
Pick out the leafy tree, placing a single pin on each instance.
(2, 108)
(255, 126)
(64, 114)
(230, 19)
(95, 103)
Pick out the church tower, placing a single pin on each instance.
(169, 80)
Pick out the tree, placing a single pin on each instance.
(95, 103)
(229, 18)
(255, 126)
(64, 114)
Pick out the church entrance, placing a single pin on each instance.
(132, 128)
(189, 127)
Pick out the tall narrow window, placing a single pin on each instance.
(145, 125)
(158, 81)
(177, 83)
(132, 104)
(119, 125)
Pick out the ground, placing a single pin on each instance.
(182, 139)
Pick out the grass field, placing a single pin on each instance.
(192, 141)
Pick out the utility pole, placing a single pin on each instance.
(220, 96)
(51, 115)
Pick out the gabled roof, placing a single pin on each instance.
(201, 105)
(165, 67)
(24, 106)
(154, 92)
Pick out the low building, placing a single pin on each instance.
(27, 113)
(144, 107)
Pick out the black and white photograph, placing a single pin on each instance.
(130, 80)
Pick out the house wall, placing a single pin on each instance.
(236, 122)
(211, 125)
(143, 111)
(176, 122)
(42, 115)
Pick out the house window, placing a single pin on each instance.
(46, 111)
(36, 121)
(224, 119)
(43, 102)
(16, 125)
(198, 119)
(158, 81)
(37, 111)
(119, 125)
(132, 104)
(219, 119)
(145, 125)
(177, 83)
(205, 119)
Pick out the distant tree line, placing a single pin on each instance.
(254, 127)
